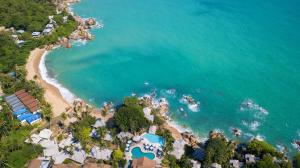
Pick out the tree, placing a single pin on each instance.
(217, 150)
(130, 116)
(260, 148)
(118, 155)
(169, 140)
(296, 161)
(267, 161)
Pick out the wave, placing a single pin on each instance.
(253, 126)
(248, 105)
(79, 42)
(67, 95)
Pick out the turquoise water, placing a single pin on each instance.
(137, 153)
(154, 138)
(219, 52)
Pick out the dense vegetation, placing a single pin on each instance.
(130, 116)
(29, 15)
(218, 150)
(81, 130)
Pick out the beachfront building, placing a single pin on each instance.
(143, 163)
(24, 107)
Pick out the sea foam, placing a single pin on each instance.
(67, 95)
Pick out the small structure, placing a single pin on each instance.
(49, 26)
(137, 138)
(107, 137)
(65, 19)
(143, 163)
(20, 43)
(215, 165)
(36, 34)
(250, 158)
(78, 156)
(196, 164)
(178, 148)
(103, 154)
(235, 163)
(147, 113)
(99, 123)
(45, 134)
(152, 129)
(47, 31)
(124, 136)
(20, 31)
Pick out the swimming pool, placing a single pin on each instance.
(137, 153)
(154, 138)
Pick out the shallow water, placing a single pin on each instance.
(222, 53)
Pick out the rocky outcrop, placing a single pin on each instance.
(190, 139)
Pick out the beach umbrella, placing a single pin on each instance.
(129, 141)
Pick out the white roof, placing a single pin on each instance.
(103, 154)
(60, 157)
(66, 142)
(99, 123)
(152, 129)
(137, 138)
(51, 151)
(178, 150)
(45, 133)
(108, 137)
(35, 138)
(123, 135)
(215, 165)
(49, 26)
(78, 156)
(47, 30)
(20, 31)
(35, 33)
(147, 112)
(234, 163)
(45, 164)
(46, 143)
(196, 164)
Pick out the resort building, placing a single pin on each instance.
(143, 163)
(215, 165)
(36, 34)
(24, 107)
(250, 158)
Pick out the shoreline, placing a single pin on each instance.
(51, 93)
(59, 96)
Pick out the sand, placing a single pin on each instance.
(52, 94)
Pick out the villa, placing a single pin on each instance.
(36, 34)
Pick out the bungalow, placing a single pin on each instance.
(235, 163)
(20, 31)
(250, 158)
(215, 165)
(47, 31)
(143, 163)
(36, 34)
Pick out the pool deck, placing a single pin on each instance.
(128, 155)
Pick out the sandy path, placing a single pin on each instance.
(52, 94)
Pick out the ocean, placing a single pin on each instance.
(240, 60)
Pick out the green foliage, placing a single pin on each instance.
(171, 161)
(29, 15)
(82, 129)
(130, 116)
(260, 148)
(14, 152)
(296, 161)
(117, 155)
(169, 140)
(267, 161)
(217, 150)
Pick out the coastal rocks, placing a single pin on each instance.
(190, 139)
(90, 22)
(192, 104)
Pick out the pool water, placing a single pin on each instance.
(137, 153)
(154, 139)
